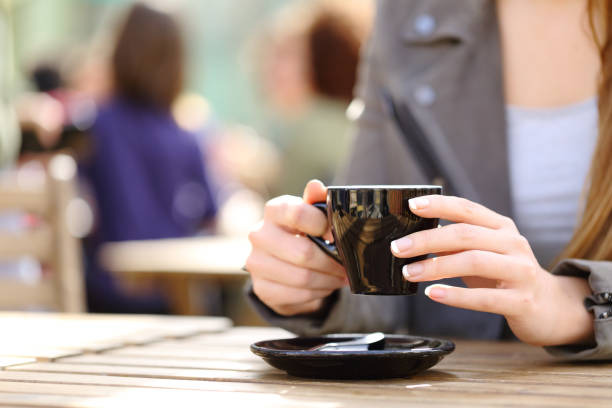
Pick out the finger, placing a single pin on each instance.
(275, 294)
(315, 192)
(484, 264)
(458, 209)
(267, 267)
(459, 237)
(500, 301)
(293, 214)
(294, 249)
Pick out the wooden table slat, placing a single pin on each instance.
(38, 353)
(213, 353)
(11, 361)
(136, 361)
(136, 398)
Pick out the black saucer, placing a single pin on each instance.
(402, 356)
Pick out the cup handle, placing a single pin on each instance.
(327, 247)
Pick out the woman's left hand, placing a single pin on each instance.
(499, 268)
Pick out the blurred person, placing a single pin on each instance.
(508, 104)
(53, 116)
(308, 73)
(41, 112)
(147, 173)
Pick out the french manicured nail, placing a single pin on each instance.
(437, 291)
(418, 203)
(400, 245)
(412, 270)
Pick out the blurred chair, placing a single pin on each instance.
(50, 241)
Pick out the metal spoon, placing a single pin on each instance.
(372, 341)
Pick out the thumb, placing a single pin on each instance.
(315, 192)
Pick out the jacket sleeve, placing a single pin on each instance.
(342, 313)
(599, 275)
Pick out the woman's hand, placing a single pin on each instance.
(289, 272)
(500, 270)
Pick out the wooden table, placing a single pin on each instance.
(179, 262)
(210, 256)
(111, 361)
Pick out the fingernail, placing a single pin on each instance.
(400, 245)
(412, 270)
(418, 203)
(437, 291)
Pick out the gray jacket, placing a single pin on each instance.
(438, 62)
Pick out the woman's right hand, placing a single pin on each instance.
(289, 273)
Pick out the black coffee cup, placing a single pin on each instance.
(364, 221)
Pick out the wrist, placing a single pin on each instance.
(573, 322)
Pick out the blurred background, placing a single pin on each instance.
(139, 142)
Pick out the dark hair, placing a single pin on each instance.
(46, 78)
(334, 54)
(148, 58)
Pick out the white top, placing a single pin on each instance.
(550, 152)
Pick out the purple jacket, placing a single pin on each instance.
(147, 174)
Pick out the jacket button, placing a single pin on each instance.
(425, 95)
(424, 25)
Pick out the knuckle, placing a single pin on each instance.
(423, 238)
(271, 206)
(260, 288)
(256, 232)
(475, 260)
(295, 216)
(430, 266)
(305, 295)
(508, 222)
(469, 208)
(303, 277)
(249, 264)
(304, 253)
(254, 236)
(465, 232)
(278, 205)
(527, 302)
(527, 270)
(521, 242)
(252, 263)
(487, 303)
